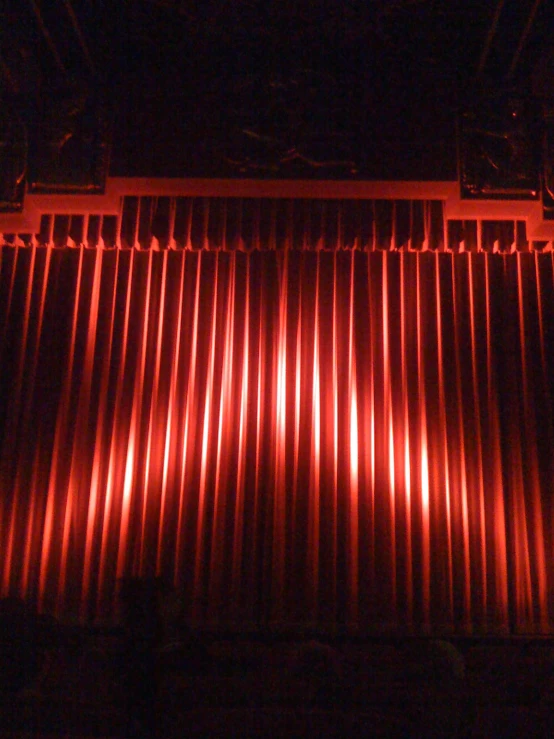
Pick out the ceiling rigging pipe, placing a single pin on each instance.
(48, 38)
(77, 28)
(523, 38)
(488, 40)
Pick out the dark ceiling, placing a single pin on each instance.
(343, 88)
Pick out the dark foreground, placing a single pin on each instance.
(70, 682)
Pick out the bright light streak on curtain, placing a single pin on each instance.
(289, 437)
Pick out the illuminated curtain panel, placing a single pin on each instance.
(289, 437)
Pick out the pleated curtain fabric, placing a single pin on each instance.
(293, 426)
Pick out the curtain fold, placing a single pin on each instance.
(290, 437)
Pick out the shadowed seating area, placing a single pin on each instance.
(72, 682)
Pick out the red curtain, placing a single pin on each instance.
(314, 438)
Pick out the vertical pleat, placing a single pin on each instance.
(281, 224)
(145, 215)
(129, 222)
(93, 231)
(384, 224)
(61, 230)
(76, 230)
(161, 221)
(317, 211)
(434, 237)
(455, 235)
(250, 225)
(109, 233)
(402, 224)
